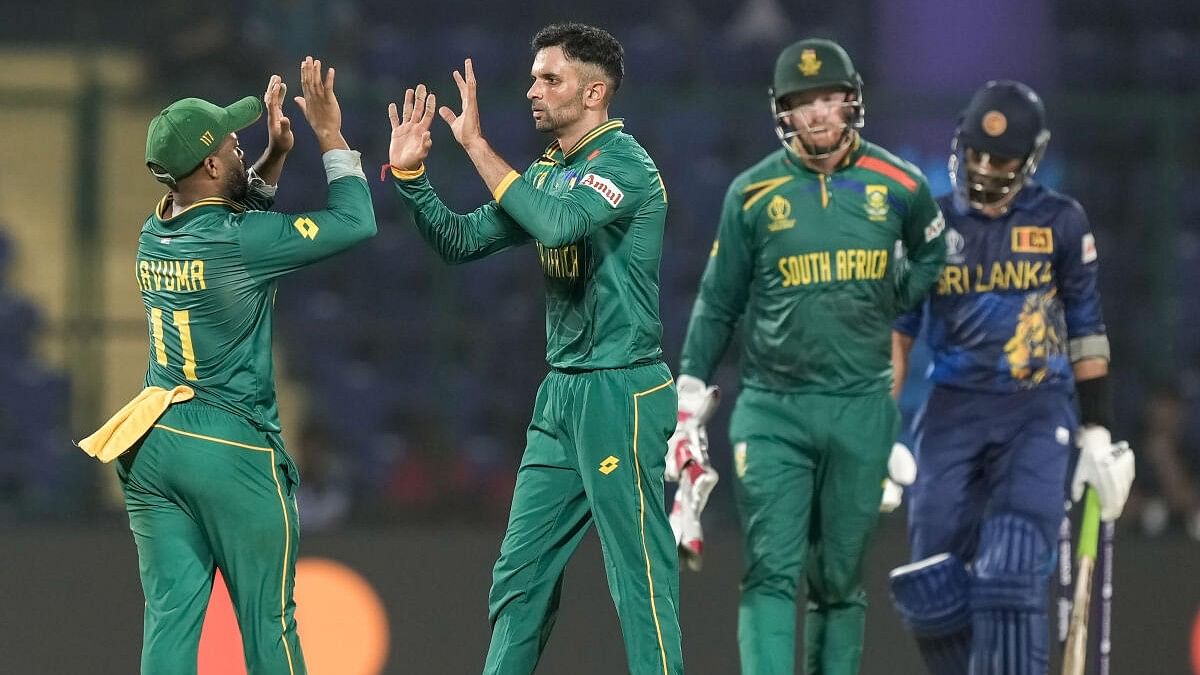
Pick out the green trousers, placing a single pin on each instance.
(594, 453)
(206, 490)
(809, 472)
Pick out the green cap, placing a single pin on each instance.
(812, 64)
(188, 130)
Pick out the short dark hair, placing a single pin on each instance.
(586, 44)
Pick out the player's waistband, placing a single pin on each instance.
(1005, 387)
(948, 397)
(840, 391)
(578, 370)
(201, 407)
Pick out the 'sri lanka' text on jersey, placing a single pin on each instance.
(1016, 292)
(808, 262)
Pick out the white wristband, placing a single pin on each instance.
(340, 163)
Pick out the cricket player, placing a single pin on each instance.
(1015, 329)
(594, 207)
(805, 256)
(206, 479)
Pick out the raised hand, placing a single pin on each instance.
(465, 125)
(411, 139)
(279, 128)
(320, 105)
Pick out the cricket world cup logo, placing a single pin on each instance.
(778, 210)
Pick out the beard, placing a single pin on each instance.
(825, 145)
(831, 134)
(561, 117)
(237, 183)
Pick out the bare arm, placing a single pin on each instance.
(901, 348)
(1085, 369)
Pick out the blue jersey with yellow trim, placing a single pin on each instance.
(1015, 291)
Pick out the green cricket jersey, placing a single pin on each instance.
(207, 277)
(596, 214)
(810, 260)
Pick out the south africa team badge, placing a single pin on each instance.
(877, 203)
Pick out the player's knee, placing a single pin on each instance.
(932, 595)
(836, 585)
(935, 522)
(1012, 566)
(772, 578)
(929, 538)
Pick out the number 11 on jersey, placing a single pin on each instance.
(181, 321)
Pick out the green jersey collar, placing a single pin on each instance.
(857, 149)
(554, 153)
(163, 210)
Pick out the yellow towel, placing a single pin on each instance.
(132, 422)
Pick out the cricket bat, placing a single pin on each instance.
(1075, 653)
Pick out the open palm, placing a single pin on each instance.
(465, 125)
(411, 139)
(279, 127)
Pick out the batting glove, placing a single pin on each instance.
(1106, 466)
(902, 472)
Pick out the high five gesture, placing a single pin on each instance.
(464, 125)
(411, 139)
(320, 105)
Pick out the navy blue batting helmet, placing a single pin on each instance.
(1004, 118)
(1004, 121)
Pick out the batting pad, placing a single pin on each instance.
(1008, 598)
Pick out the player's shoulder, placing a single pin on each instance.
(1052, 199)
(773, 167)
(202, 224)
(1052, 206)
(624, 153)
(880, 161)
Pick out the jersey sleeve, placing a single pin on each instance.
(925, 244)
(909, 323)
(724, 289)
(273, 244)
(456, 237)
(615, 184)
(1078, 269)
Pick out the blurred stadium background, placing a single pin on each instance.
(405, 385)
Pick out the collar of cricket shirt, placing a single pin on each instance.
(163, 210)
(554, 153)
(857, 149)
